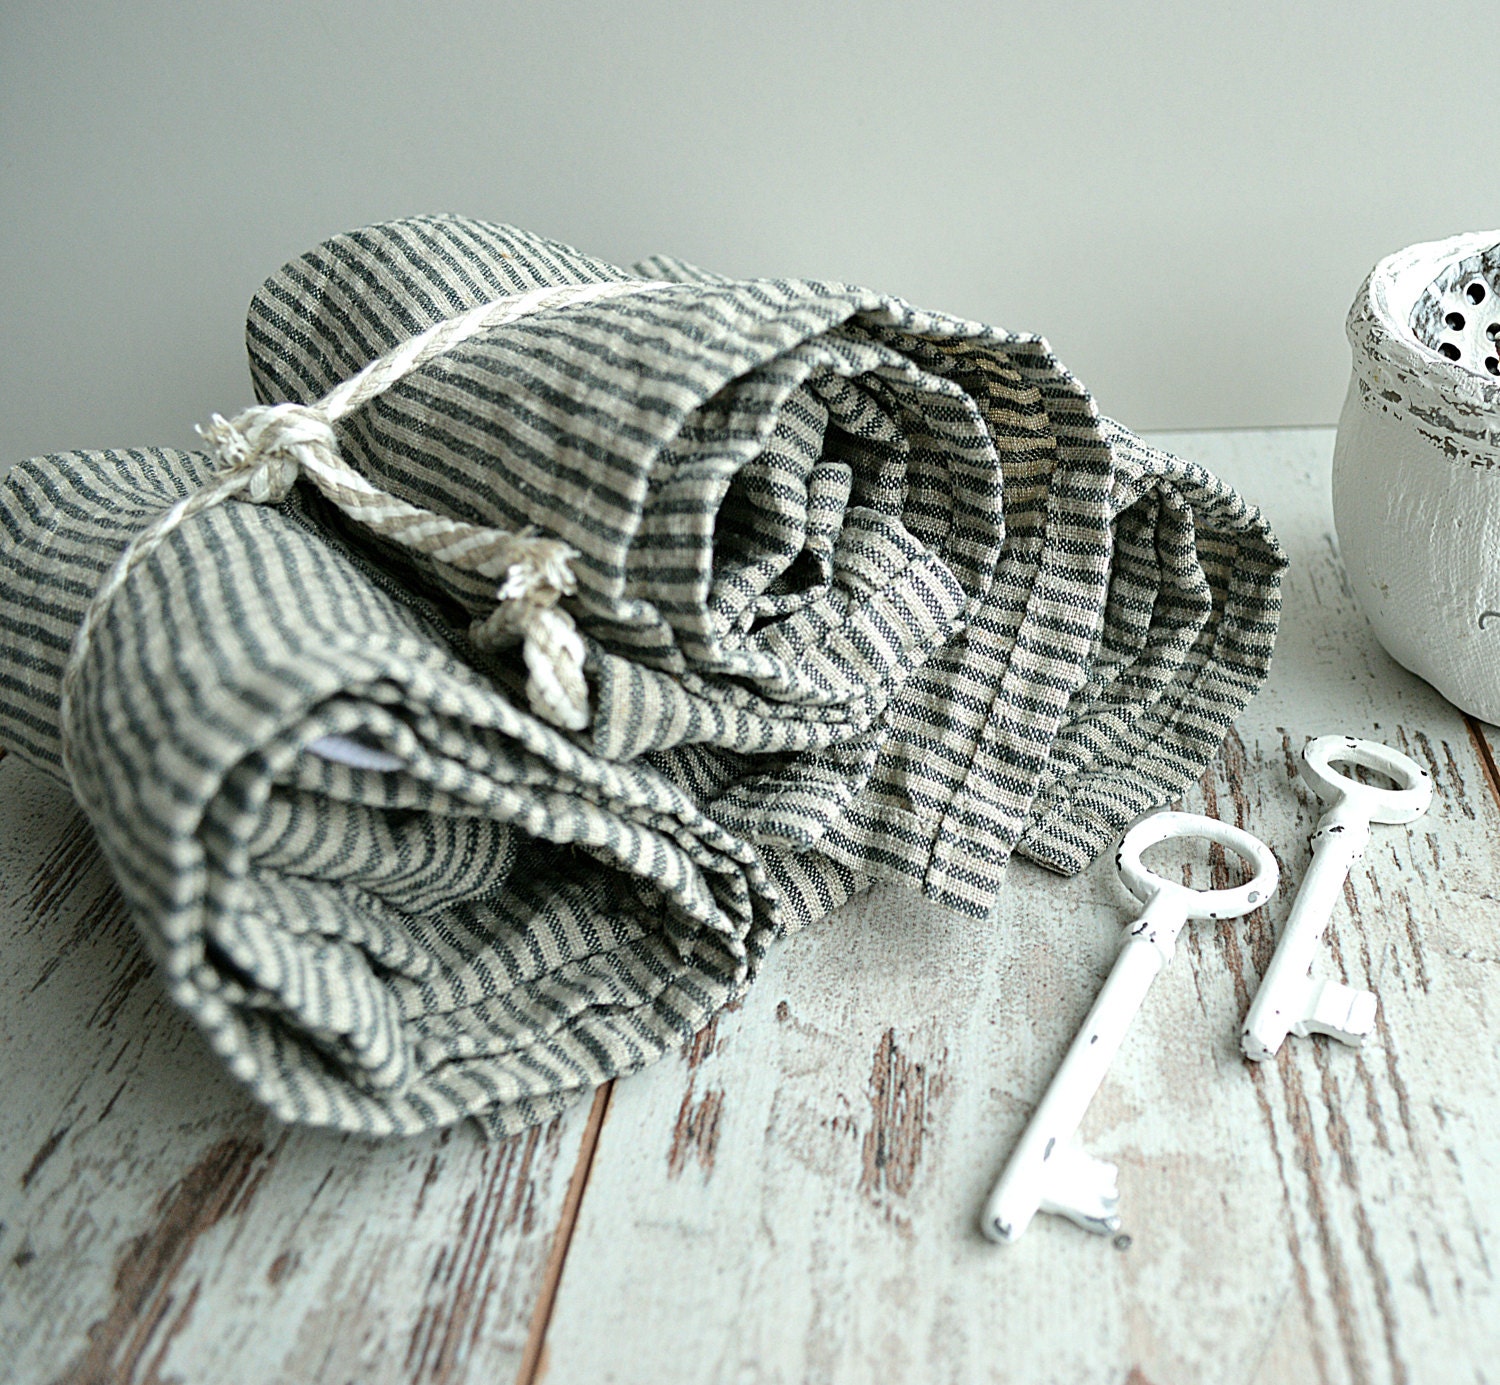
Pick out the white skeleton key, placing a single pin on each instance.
(1289, 1000)
(1047, 1172)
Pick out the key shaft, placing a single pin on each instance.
(1289, 1000)
(1045, 1169)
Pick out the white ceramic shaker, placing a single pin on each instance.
(1416, 469)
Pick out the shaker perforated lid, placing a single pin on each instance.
(1458, 314)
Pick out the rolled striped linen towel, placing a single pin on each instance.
(866, 593)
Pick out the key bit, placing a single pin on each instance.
(1083, 1189)
(1342, 1012)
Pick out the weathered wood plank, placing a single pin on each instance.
(796, 1197)
(157, 1225)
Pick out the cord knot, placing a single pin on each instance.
(541, 572)
(266, 444)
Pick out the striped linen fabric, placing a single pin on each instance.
(868, 594)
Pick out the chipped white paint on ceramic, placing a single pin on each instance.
(1416, 474)
(1048, 1171)
(1289, 1001)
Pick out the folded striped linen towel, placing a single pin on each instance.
(863, 593)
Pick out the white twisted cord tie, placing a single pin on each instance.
(262, 451)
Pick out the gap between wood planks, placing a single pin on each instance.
(532, 1358)
(1486, 755)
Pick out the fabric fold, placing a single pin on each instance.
(490, 930)
(867, 594)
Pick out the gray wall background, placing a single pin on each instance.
(1183, 198)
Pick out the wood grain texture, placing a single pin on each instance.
(157, 1226)
(796, 1197)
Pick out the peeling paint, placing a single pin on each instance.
(901, 1093)
(466, 1273)
(47, 1150)
(147, 1270)
(1259, 1081)
(284, 1264)
(1337, 1128)
(71, 859)
(1310, 1165)
(696, 1133)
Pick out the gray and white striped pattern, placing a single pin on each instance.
(868, 594)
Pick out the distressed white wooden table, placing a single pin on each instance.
(795, 1197)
